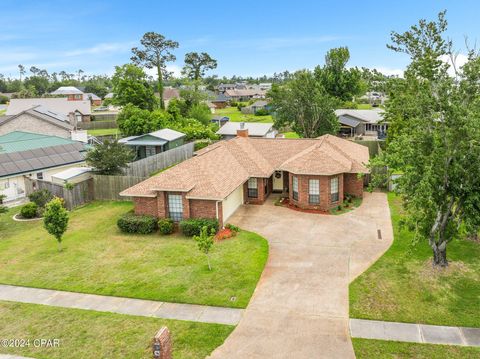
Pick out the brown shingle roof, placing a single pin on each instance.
(219, 169)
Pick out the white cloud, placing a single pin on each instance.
(103, 48)
(459, 60)
(177, 71)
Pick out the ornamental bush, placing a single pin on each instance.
(193, 226)
(41, 197)
(29, 210)
(131, 223)
(166, 226)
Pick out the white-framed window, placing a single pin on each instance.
(252, 187)
(40, 175)
(150, 151)
(334, 189)
(314, 191)
(295, 187)
(175, 207)
(78, 116)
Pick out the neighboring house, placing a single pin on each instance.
(94, 99)
(30, 155)
(211, 106)
(37, 120)
(170, 93)
(220, 120)
(80, 110)
(109, 95)
(254, 107)
(71, 92)
(313, 173)
(254, 129)
(224, 87)
(220, 101)
(362, 123)
(245, 95)
(154, 142)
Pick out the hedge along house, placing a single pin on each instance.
(313, 173)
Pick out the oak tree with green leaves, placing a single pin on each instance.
(130, 86)
(109, 157)
(304, 105)
(55, 220)
(155, 53)
(434, 138)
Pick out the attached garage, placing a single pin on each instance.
(232, 202)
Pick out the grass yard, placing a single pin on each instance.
(236, 116)
(346, 207)
(402, 286)
(364, 106)
(291, 135)
(104, 132)
(89, 334)
(367, 349)
(99, 259)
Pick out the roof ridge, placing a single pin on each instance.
(352, 160)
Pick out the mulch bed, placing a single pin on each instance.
(286, 203)
(224, 233)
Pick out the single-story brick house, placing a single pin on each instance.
(313, 173)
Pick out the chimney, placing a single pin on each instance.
(242, 132)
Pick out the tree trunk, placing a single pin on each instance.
(440, 255)
(59, 246)
(160, 86)
(208, 261)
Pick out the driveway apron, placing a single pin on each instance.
(300, 306)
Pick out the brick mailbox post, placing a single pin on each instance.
(162, 344)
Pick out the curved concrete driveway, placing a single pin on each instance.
(300, 306)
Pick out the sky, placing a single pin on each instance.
(248, 38)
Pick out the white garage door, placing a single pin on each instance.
(232, 202)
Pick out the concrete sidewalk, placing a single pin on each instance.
(415, 333)
(140, 307)
(12, 356)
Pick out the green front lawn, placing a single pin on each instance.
(367, 349)
(90, 334)
(104, 132)
(236, 116)
(402, 286)
(98, 258)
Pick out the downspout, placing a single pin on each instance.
(216, 212)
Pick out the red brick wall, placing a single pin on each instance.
(145, 206)
(353, 185)
(200, 208)
(261, 192)
(325, 202)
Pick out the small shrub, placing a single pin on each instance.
(29, 210)
(339, 208)
(193, 226)
(69, 186)
(232, 227)
(131, 223)
(350, 104)
(261, 112)
(2, 198)
(41, 197)
(166, 226)
(201, 144)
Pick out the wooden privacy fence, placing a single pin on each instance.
(109, 187)
(80, 194)
(147, 166)
(97, 125)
